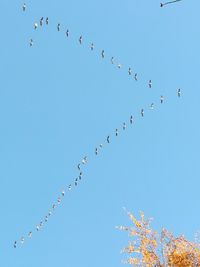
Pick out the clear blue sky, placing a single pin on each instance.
(58, 100)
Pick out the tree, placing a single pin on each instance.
(150, 249)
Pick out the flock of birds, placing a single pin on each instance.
(84, 161)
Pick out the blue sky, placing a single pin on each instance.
(59, 100)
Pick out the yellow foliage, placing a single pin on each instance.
(151, 249)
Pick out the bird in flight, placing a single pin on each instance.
(24, 7)
(169, 2)
(179, 92)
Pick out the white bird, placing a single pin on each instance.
(150, 83)
(129, 71)
(161, 99)
(58, 27)
(31, 42)
(84, 160)
(35, 25)
(101, 145)
(24, 7)
(37, 228)
(142, 112)
(63, 193)
(69, 187)
(22, 240)
(102, 53)
(135, 77)
(119, 66)
(152, 106)
(179, 92)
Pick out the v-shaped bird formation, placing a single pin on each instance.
(107, 140)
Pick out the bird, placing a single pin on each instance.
(96, 151)
(101, 145)
(112, 60)
(41, 21)
(24, 7)
(37, 228)
(67, 33)
(76, 182)
(119, 66)
(41, 224)
(81, 39)
(116, 132)
(15, 244)
(124, 126)
(135, 76)
(161, 99)
(31, 42)
(108, 139)
(92, 46)
(170, 2)
(53, 206)
(46, 218)
(59, 200)
(131, 119)
(142, 112)
(179, 92)
(47, 21)
(150, 83)
(129, 71)
(58, 27)
(63, 193)
(22, 240)
(152, 106)
(84, 160)
(49, 213)
(69, 187)
(80, 175)
(102, 53)
(35, 25)
(79, 166)
(30, 234)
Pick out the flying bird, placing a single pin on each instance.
(79, 166)
(142, 112)
(58, 27)
(67, 33)
(102, 53)
(92, 46)
(135, 76)
(24, 7)
(179, 92)
(124, 126)
(119, 66)
(81, 39)
(15, 244)
(96, 151)
(161, 99)
(150, 83)
(170, 2)
(152, 106)
(47, 21)
(108, 139)
(116, 132)
(112, 60)
(129, 71)
(30, 234)
(131, 119)
(31, 42)
(41, 21)
(35, 25)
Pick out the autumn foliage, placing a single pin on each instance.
(147, 248)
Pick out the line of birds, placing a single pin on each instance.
(169, 2)
(84, 161)
(80, 166)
